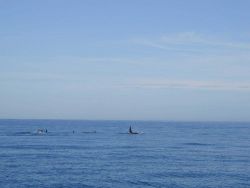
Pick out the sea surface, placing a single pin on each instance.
(102, 154)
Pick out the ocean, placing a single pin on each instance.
(76, 153)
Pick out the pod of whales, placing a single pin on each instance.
(44, 131)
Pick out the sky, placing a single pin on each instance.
(172, 60)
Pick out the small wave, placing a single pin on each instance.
(138, 133)
(142, 183)
(196, 144)
(22, 133)
(176, 174)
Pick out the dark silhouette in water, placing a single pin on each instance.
(131, 132)
(86, 132)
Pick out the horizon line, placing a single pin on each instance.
(136, 120)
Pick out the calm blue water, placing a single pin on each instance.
(168, 154)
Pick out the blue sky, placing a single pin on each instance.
(148, 60)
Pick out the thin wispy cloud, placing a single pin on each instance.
(30, 76)
(98, 60)
(191, 42)
(188, 84)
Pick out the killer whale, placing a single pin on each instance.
(131, 131)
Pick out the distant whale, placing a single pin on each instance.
(42, 131)
(131, 131)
